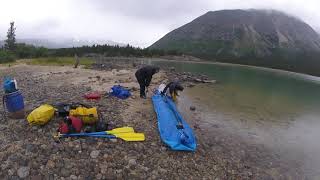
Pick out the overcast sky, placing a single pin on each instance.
(137, 22)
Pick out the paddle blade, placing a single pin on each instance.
(131, 136)
(121, 130)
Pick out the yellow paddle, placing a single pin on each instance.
(123, 136)
(115, 131)
(131, 136)
(125, 133)
(121, 130)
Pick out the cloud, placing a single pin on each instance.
(138, 22)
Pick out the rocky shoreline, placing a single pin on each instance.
(31, 151)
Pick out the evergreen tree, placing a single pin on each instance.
(10, 43)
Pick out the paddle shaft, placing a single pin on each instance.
(89, 135)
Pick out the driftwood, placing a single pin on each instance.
(204, 81)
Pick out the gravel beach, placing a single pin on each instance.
(31, 151)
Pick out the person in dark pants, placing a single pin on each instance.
(173, 87)
(144, 76)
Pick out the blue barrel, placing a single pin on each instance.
(14, 101)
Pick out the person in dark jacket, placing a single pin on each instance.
(173, 87)
(144, 76)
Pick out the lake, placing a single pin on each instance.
(276, 109)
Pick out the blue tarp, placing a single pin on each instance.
(168, 119)
(120, 92)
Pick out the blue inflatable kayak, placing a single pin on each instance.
(174, 131)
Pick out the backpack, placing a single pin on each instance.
(87, 115)
(63, 109)
(120, 92)
(41, 115)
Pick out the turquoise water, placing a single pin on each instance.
(277, 109)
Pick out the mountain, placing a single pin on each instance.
(256, 37)
(63, 43)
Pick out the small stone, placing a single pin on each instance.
(50, 164)
(37, 177)
(94, 154)
(145, 168)
(118, 171)
(99, 176)
(164, 171)
(73, 177)
(132, 162)
(23, 172)
(10, 172)
(134, 89)
(192, 108)
(114, 140)
(65, 172)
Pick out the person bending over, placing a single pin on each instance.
(173, 87)
(144, 77)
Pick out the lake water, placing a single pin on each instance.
(276, 109)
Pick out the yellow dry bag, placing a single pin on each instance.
(41, 115)
(87, 115)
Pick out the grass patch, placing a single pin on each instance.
(59, 61)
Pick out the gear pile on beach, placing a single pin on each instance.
(32, 151)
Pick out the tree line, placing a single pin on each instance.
(111, 51)
(13, 50)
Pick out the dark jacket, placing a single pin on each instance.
(173, 87)
(144, 74)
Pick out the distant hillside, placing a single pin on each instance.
(63, 43)
(256, 37)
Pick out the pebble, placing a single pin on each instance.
(73, 177)
(23, 172)
(163, 171)
(114, 140)
(50, 164)
(94, 154)
(192, 108)
(132, 162)
(10, 172)
(99, 176)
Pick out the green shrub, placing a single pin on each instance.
(6, 57)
